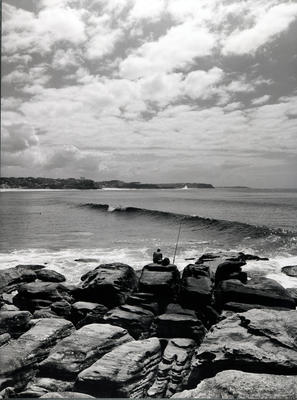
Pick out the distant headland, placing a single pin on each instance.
(83, 183)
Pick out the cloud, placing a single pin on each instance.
(275, 21)
(261, 100)
(198, 84)
(17, 137)
(161, 56)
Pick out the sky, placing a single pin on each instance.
(151, 90)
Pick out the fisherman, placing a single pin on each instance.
(165, 262)
(157, 257)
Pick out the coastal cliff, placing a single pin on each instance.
(209, 331)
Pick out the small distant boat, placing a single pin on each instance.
(185, 187)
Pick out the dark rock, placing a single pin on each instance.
(78, 351)
(293, 293)
(290, 270)
(144, 300)
(179, 325)
(4, 338)
(14, 322)
(108, 284)
(262, 291)
(62, 308)
(136, 320)
(127, 371)
(11, 278)
(162, 281)
(35, 295)
(261, 341)
(252, 257)
(7, 393)
(243, 385)
(84, 313)
(49, 275)
(66, 395)
(196, 292)
(19, 357)
(87, 260)
(174, 369)
(196, 271)
(226, 269)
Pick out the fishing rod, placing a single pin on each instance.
(177, 241)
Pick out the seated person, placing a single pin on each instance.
(165, 262)
(157, 257)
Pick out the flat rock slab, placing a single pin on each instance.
(254, 341)
(66, 395)
(19, 356)
(136, 320)
(179, 326)
(262, 291)
(196, 291)
(126, 371)
(243, 307)
(108, 284)
(84, 313)
(14, 322)
(243, 385)
(174, 369)
(78, 351)
(290, 270)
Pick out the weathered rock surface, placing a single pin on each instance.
(290, 270)
(243, 307)
(19, 357)
(136, 320)
(50, 275)
(127, 371)
(14, 322)
(40, 386)
(174, 369)
(262, 291)
(179, 324)
(108, 284)
(162, 281)
(66, 395)
(4, 338)
(62, 308)
(243, 385)
(144, 300)
(257, 340)
(196, 271)
(78, 351)
(10, 278)
(44, 313)
(293, 293)
(35, 295)
(84, 313)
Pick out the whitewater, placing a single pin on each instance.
(74, 231)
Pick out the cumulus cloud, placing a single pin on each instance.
(261, 100)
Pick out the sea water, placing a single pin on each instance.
(58, 227)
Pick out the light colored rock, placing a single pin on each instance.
(243, 385)
(78, 351)
(19, 357)
(257, 340)
(173, 370)
(126, 371)
(66, 395)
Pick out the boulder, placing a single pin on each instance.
(196, 271)
(62, 308)
(196, 292)
(44, 313)
(14, 322)
(48, 275)
(66, 395)
(162, 281)
(127, 371)
(261, 291)
(19, 357)
(84, 313)
(136, 320)
(174, 369)
(35, 295)
(229, 269)
(108, 284)
(179, 325)
(243, 385)
(144, 300)
(41, 386)
(78, 351)
(11, 278)
(261, 341)
(290, 270)
(243, 307)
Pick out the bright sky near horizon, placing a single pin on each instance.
(151, 90)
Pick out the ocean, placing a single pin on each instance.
(59, 227)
